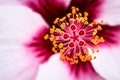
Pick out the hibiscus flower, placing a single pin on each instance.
(25, 45)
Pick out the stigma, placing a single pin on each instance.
(74, 37)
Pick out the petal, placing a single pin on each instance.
(84, 71)
(7, 2)
(40, 47)
(107, 63)
(93, 7)
(49, 9)
(110, 34)
(54, 69)
(17, 26)
(110, 12)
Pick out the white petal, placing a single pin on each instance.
(17, 25)
(110, 12)
(54, 69)
(107, 63)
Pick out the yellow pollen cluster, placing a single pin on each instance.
(59, 45)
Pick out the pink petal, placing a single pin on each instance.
(110, 12)
(39, 46)
(93, 7)
(49, 9)
(17, 26)
(84, 71)
(111, 35)
(7, 2)
(107, 63)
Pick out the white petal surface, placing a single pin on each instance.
(17, 25)
(54, 69)
(110, 12)
(107, 63)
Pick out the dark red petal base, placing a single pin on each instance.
(111, 34)
(40, 47)
(93, 7)
(84, 71)
(49, 9)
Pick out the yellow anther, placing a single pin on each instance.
(72, 19)
(77, 15)
(75, 61)
(62, 51)
(71, 63)
(56, 20)
(67, 58)
(80, 14)
(102, 39)
(86, 22)
(86, 14)
(85, 51)
(57, 38)
(51, 30)
(62, 26)
(81, 19)
(90, 25)
(78, 19)
(99, 27)
(96, 37)
(54, 41)
(94, 41)
(81, 56)
(63, 18)
(68, 15)
(78, 54)
(89, 57)
(58, 30)
(53, 26)
(46, 36)
(73, 7)
(73, 10)
(53, 49)
(51, 38)
(85, 18)
(70, 59)
(62, 58)
(94, 32)
(60, 45)
(64, 48)
(77, 9)
(55, 45)
(83, 59)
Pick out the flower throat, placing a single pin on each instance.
(76, 39)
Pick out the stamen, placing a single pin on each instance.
(75, 37)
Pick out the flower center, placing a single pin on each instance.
(75, 37)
